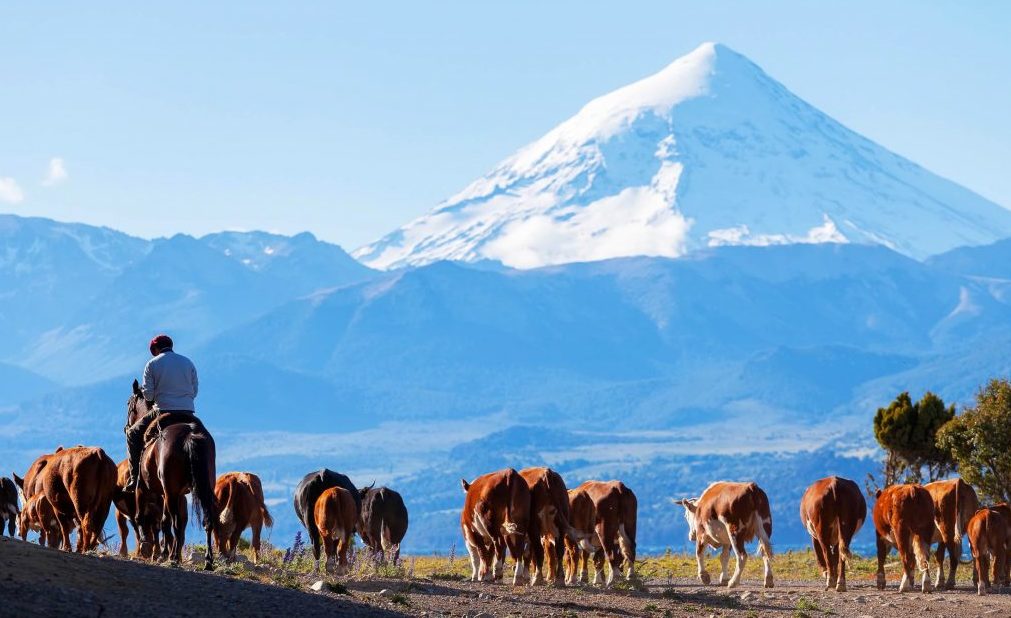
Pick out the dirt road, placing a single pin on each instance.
(42, 582)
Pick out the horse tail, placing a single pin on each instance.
(199, 451)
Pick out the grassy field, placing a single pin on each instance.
(293, 567)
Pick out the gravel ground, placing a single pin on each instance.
(35, 581)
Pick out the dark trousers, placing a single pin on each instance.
(135, 433)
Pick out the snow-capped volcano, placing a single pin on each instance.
(709, 151)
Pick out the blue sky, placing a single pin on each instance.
(349, 120)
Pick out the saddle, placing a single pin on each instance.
(167, 419)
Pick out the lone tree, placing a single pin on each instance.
(980, 441)
(907, 432)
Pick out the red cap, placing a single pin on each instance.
(160, 344)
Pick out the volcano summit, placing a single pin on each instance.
(709, 151)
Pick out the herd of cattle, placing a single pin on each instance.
(75, 488)
(551, 533)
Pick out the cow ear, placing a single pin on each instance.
(20, 482)
(136, 387)
(465, 485)
(877, 494)
(58, 449)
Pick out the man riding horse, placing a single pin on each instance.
(170, 381)
(171, 453)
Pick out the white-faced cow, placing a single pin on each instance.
(904, 519)
(615, 510)
(383, 522)
(728, 515)
(496, 513)
(988, 538)
(833, 509)
(955, 503)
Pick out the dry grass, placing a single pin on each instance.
(295, 570)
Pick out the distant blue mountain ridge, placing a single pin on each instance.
(762, 363)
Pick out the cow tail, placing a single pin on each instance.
(959, 527)
(385, 540)
(510, 527)
(202, 470)
(763, 525)
(225, 501)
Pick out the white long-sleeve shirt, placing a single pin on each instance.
(170, 380)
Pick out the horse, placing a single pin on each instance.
(177, 460)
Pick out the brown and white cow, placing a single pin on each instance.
(549, 524)
(728, 515)
(904, 519)
(615, 518)
(988, 537)
(583, 518)
(1005, 510)
(496, 514)
(40, 516)
(833, 509)
(80, 483)
(240, 498)
(336, 514)
(955, 503)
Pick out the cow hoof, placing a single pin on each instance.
(981, 590)
(768, 582)
(841, 587)
(880, 581)
(705, 578)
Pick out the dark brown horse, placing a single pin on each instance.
(177, 460)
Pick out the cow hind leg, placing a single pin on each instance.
(981, 561)
(700, 560)
(819, 556)
(724, 561)
(517, 544)
(741, 555)
(831, 560)
(764, 549)
(939, 559)
(883, 548)
(124, 533)
(921, 554)
(954, 554)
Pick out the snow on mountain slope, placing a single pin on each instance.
(709, 151)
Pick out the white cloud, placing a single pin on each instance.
(827, 232)
(10, 192)
(57, 172)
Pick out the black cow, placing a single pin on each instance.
(308, 492)
(8, 505)
(382, 523)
